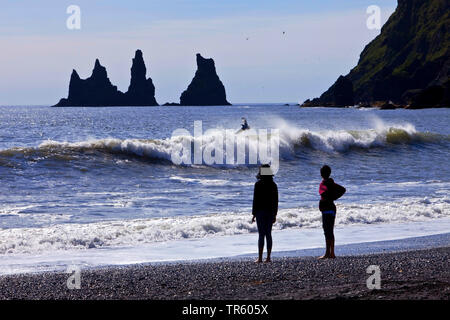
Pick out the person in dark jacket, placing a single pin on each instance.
(265, 208)
(329, 192)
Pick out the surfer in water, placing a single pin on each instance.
(244, 125)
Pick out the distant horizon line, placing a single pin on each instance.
(161, 105)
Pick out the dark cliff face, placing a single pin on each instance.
(407, 59)
(141, 91)
(340, 93)
(206, 89)
(97, 90)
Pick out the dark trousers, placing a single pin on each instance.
(328, 225)
(264, 223)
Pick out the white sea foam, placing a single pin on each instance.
(13, 210)
(205, 182)
(109, 234)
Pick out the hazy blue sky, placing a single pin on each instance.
(322, 40)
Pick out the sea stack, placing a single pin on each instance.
(206, 89)
(97, 90)
(408, 63)
(141, 91)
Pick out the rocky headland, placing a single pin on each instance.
(407, 65)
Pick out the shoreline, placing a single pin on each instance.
(414, 268)
(355, 240)
(415, 243)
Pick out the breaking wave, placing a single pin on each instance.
(66, 236)
(291, 140)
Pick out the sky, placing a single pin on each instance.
(265, 51)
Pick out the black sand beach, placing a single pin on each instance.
(416, 274)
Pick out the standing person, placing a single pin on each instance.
(329, 192)
(265, 208)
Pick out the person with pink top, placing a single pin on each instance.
(329, 192)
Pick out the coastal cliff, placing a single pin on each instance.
(407, 64)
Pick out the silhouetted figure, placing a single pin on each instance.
(245, 125)
(329, 192)
(265, 208)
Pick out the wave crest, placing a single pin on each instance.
(291, 140)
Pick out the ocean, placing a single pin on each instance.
(97, 186)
